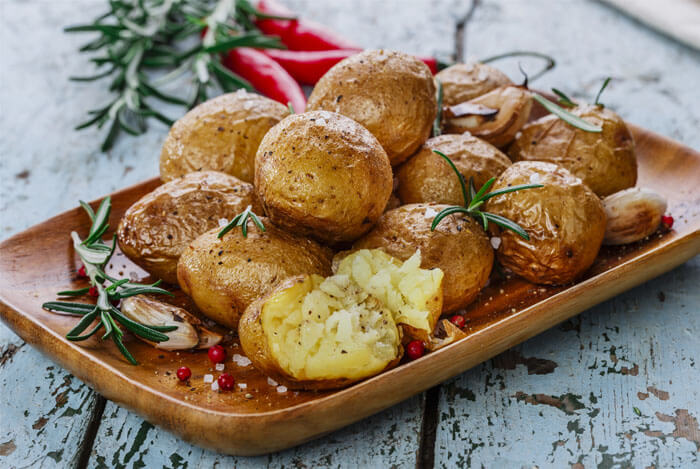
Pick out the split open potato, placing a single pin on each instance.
(459, 247)
(221, 134)
(323, 175)
(322, 333)
(426, 177)
(564, 219)
(225, 275)
(158, 227)
(390, 93)
(463, 82)
(605, 161)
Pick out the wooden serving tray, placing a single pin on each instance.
(37, 263)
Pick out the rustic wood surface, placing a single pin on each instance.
(615, 387)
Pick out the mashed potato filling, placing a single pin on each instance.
(346, 325)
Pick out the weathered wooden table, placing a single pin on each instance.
(615, 387)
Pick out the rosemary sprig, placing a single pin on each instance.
(474, 199)
(138, 36)
(95, 254)
(565, 115)
(437, 123)
(600, 92)
(563, 98)
(242, 220)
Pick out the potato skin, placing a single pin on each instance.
(462, 82)
(322, 175)
(564, 219)
(426, 177)
(221, 134)
(458, 246)
(256, 348)
(159, 226)
(605, 161)
(224, 276)
(390, 93)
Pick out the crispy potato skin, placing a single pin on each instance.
(224, 276)
(462, 82)
(159, 226)
(605, 161)
(392, 94)
(322, 175)
(564, 219)
(256, 347)
(458, 246)
(221, 134)
(426, 177)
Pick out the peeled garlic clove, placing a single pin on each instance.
(152, 312)
(633, 214)
(445, 334)
(207, 338)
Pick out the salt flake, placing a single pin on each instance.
(241, 360)
(281, 389)
(272, 382)
(495, 242)
(219, 367)
(208, 378)
(215, 386)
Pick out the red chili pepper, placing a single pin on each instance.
(267, 76)
(299, 34)
(309, 66)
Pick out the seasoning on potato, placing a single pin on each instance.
(323, 175)
(225, 275)
(463, 82)
(390, 93)
(158, 227)
(605, 161)
(459, 247)
(324, 333)
(426, 177)
(564, 219)
(221, 134)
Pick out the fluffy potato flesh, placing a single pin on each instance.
(345, 327)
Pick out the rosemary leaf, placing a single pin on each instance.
(565, 115)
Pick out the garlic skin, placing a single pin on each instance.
(445, 334)
(633, 214)
(189, 333)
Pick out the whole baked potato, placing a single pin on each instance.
(323, 175)
(564, 219)
(158, 227)
(221, 134)
(426, 177)
(496, 116)
(390, 93)
(459, 247)
(462, 82)
(322, 333)
(225, 275)
(605, 161)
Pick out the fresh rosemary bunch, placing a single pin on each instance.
(95, 254)
(242, 220)
(473, 200)
(138, 36)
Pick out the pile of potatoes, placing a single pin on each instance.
(347, 192)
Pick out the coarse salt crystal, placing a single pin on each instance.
(495, 242)
(241, 360)
(281, 389)
(430, 212)
(219, 367)
(535, 178)
(272, 382)
(223, 222)
(208, 378)
(242, 385)
(215, 386)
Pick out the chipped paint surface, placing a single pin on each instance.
(614, 387)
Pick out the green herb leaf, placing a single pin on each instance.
(563, 99)
(565, 115)
(600, 91)
(459, 175)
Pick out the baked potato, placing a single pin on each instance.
(323, 175)
(605, 161)
(221, 134)
(390, 93)
(496, 116)
(225, 275)
(459, 247)
(463, 82)
(158, 227)
(426, 177)
(564, 219)
(323, 333)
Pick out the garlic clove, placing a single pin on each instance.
(633, 214)
(150, 312)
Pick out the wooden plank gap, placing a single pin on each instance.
(426, 452)
(91, 432)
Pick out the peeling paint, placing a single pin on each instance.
(535, 366)
(567, 403)
(7, 448)
(686, 425)
(663, 395)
